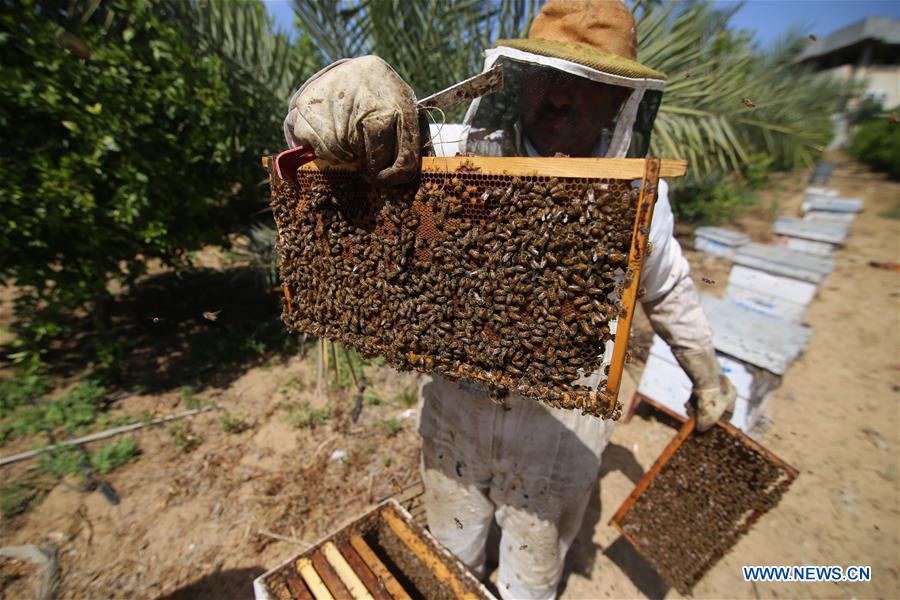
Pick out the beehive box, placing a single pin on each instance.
(701, 495)
(515, 273)
(382, 555)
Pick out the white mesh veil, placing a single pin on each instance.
(492, 125)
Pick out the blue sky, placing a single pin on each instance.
(768, 19)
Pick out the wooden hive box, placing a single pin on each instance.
(382, 555)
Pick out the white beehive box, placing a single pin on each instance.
(754, 339)
(830, 208)
(818, 237)
(718, 241)
(664, 382)
(775, 281)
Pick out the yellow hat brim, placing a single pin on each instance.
(585, 56)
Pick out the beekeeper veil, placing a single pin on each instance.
(572, 87)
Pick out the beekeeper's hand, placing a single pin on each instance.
(678, 318)
(358, 109)
(713, 394)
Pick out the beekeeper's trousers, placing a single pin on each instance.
(529, 466)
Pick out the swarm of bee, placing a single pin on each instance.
(511, 282)
(701, 502)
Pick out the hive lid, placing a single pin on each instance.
(766, 342)
(820, 231)
(783, 261)
(723, 236)
(831, 203)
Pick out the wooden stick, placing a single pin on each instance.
(297, 587)
(378, 569)
(284, 538)
(329, 576)
(102, 435)
(354, 584)
(424, 553)
(612, 168)
(640, 235)
(350, 365)
(337, 372)
(375, 587)
(312, 579)
(321, 364)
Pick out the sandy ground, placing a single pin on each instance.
(189, 521)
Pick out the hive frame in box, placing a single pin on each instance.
(683, 435)
(648, 171)
(370, 574)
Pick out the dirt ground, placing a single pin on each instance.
(189, 522)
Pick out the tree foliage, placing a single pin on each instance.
(725, 101)
(432, 44)
(131, 130)
(876, 142)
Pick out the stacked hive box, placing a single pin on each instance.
(753, 350)
(776, 281)
(718, 241)
(758, 329)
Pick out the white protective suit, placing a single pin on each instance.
(530, 466)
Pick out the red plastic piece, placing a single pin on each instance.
(287, 163)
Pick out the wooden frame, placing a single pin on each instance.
(647, 170)
(638, 398)
(684, 434)
(613, 168)
(344, 565)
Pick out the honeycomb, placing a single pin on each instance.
(511, 282)
(705, 497)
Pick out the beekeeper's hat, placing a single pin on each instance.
(594, 39)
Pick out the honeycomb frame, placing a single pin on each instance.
(451, 214)
(701, 495)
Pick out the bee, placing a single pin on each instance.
(211, 315)
(459, 524)
(707, 280)
(813, 37)
(748, 102)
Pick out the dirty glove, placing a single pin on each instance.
(713, 394)
(358, 109)
(677, 317)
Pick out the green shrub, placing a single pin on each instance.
(61, 461)
(21, 389)
(877, 143)
(234, 423)
(392, 426)
(113, 455)
(707, 202)
(303, 416)
(184, 436)
(129, 132)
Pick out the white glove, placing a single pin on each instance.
(677, 317)
(358, 109)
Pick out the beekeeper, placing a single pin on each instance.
(572, 87)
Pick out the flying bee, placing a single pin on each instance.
(748, 102)
(707, 280)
